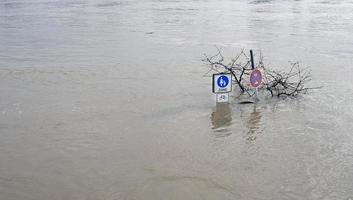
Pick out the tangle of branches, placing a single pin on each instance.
(276, 83)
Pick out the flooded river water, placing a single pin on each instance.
(106, 100)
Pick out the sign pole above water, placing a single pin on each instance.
(252, 60)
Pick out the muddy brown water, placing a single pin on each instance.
(107, 100)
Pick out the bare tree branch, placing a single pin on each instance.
(277, 83)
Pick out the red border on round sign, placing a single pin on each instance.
(255, 72)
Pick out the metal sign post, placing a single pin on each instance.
(252, 60)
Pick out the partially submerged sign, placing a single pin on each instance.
(221, 83)
(222, 98)
(255, 78)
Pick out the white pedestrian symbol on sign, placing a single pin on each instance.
(222, 81)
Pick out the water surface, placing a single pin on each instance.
(107, 100)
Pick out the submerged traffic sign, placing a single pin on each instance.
(222, 98)
(222, 83)
(255, 78)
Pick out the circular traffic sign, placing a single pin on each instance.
(222, 81)
(255, 78)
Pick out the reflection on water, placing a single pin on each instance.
(221, 118)
(250, 115)
(254, 124)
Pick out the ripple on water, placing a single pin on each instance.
(181, 187)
